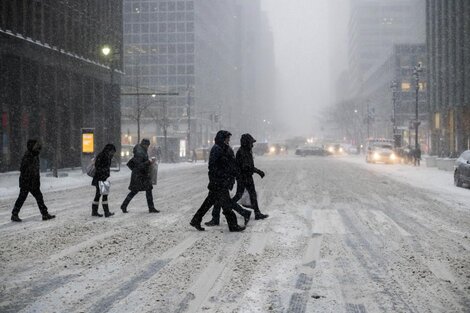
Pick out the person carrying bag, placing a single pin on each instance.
(102, 172)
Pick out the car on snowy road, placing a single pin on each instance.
(381, 152)
(311, 150)
(462, 169)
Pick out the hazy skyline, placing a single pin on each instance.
(302, 41)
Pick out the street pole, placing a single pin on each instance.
(394, 87)
(416, 71)
(165, 150)
(368, 120)
(189, 124)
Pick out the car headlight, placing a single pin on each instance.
(340, 149)
(272, 149)
(127, 153)
(376, 156)
(122, 153)
(331, 149)
(393, 157)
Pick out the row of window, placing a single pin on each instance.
(159, 38)
(160, 17)
(161, 6)
(166, 81)
(138, 28)
(160, 70)
(157, 59)
(160, 49)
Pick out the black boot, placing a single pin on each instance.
(47, 216)
(260, 216)
(94, 210)
(106, 210)
(236, 228)
(15, 218)
(197, 226)
(212, 223)
(153, 210)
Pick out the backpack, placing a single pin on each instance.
(90, 169)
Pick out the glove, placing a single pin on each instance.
(261, 174)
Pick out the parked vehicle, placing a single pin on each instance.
(311, 150)
(462, 169)
(381, 152)
(335, 148)
(277, 148)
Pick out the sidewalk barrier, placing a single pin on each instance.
(431, 161)
(445, 164)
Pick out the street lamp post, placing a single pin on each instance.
(416, 71)
(394, 87)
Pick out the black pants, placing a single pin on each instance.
(148, 195)
(96, 200)
(218, 198)
(22, 197)
(249, 185)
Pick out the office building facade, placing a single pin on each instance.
(54, 81)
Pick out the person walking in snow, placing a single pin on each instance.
(141, 166)
(245, 180)
(30, 181)
(102, 172)
(222, 173)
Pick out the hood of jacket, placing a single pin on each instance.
(247, 141)
(221, 136)
(31, 144)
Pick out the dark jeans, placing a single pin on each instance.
(148, 195)
(96, 200)
(218, 198)
(22, 197)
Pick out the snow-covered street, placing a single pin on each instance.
(342, 236)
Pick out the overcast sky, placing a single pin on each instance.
(301, 30)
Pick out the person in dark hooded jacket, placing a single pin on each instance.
(247, 169)
(102, 167)
(141, 166)
(30, 181)
(222, 173)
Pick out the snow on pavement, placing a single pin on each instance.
(342, 236)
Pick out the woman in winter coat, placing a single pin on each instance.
(102, 167)
(141, 167)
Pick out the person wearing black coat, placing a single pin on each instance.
(141, 166)
(222, 173)
(102, 172)
(247, 169)
(30, 181)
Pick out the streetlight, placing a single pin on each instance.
(394, 87)
(106, 50)
(416, 71)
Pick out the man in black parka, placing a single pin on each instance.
(141, 176)
(247, 169)
(102, 172)
(30, 181)
(222, 173)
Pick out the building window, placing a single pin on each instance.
(437, 120)
(405, 86)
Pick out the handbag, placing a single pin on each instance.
(91, 169)
(154, 173)
(131, 164)
(104, 186)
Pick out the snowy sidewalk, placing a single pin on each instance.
(75, 178)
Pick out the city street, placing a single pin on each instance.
(342, 236)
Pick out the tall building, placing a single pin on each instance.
(448, 43)
(54, 81)
(207, 52)
(375, 27)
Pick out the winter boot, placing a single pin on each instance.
(153, 210)
(212, 223)
(106, 209)
(94, 210)
(47, 216)
(197, 226)
(236, 228)
(261, 216)
(15, 218)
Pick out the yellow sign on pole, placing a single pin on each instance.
(88, 144)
